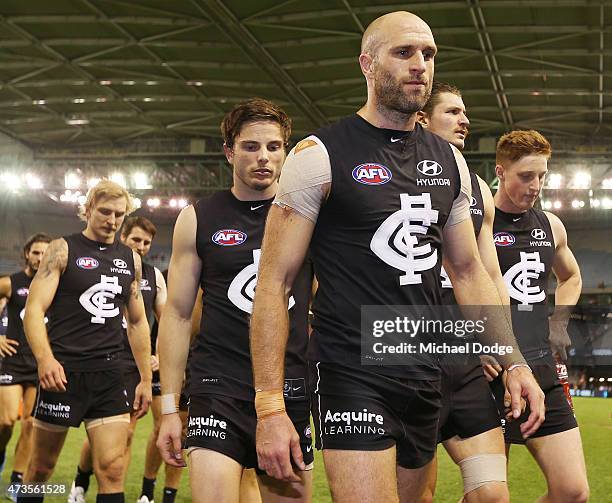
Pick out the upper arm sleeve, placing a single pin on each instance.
(461, 205)
(305, 177)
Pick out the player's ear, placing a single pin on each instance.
(366, 62)
(499, 171)
(229, 153)
(422, 118)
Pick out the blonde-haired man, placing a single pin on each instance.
(84, 283)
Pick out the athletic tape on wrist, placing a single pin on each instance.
(169, 403)
(268, 403)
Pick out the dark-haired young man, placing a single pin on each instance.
(18, 376)
(216, 247)
(470, 427)
(136, 233)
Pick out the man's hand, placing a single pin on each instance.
(154, 363)
(51, 375)
(507, 412)
(277, 443)
(490, 367)
(8, 346)
(559, 338)
(142, 398)
(521, 383)
(169, 440)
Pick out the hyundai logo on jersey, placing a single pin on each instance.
(229, 237)
(371, 173)
(503, 239)
(87, 263)
(429, 168)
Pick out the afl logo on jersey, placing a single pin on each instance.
(371, 173)
(23, 292)
(429, 168)
(503, 239)
(538, 234)
(229, 237)
(87, 263)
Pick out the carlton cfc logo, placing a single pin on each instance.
(87, 263)
(229, 237)
(429, 168)
(503, 239)
(371, 173)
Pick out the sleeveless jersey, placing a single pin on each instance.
(526, 249)
(229, 236)
(378, 236)
(3, 321)
(477, 214)
(148, 289)
(20, 288)
(87, 310)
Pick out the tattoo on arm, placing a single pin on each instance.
(54, 259)
(137, 278)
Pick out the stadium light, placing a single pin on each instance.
(153, 202)
(10, 181)
(557, 205)
(554, 181)
(546, 204)
(81, 199)
(173, 203)
(137, 203)
(606, 203)
(72, 180)
(581, 180)
(607, 183)
(140, 180)
(33, 182)
(595, 203)
(119, 178)
(182, 203)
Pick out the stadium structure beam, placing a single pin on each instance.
(601, 67)
(246, 41)
(491, 61)
(353, 15)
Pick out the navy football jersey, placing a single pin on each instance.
(378, 236)
(229, 237)
(526, 250)
(86, 314)
(20, 288)
(148, 289)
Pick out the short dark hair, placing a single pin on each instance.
(254, 110)
(39, 237)
(437, 89)
(144, 223)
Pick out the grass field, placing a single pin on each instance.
(526, 483)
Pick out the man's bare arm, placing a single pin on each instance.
(42, 291)
(569, 286)
(175, 324)
(5, 287)
(7, 346)
(138, 327)
(473, 287)
(162, 293)
(284, 248)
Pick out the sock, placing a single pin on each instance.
(169, 495)
(111, 498)
(16, 477)
(30, 499)
(82, 478)
(148, 488)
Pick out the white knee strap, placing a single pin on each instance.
(482, 469)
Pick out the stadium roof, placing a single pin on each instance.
(89, 71)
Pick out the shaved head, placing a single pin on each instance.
(377, 31)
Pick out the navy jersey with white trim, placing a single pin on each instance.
(86, 313)
(526, 249)
(229, 237)
(148, 289)
(20, 288)
(378, 236)
(477, 215)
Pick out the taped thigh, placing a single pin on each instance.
(482, 469)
